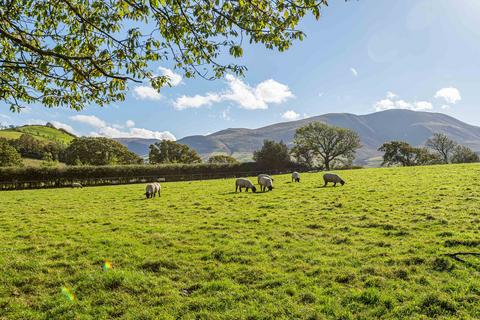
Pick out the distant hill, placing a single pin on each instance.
(374, 129)
(43, 133)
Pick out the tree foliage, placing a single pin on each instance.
(167, 151)
(30, 147)
(221, 158)
(9, 157)
(442, 145)
(327, 143)
(403, 154)
(272, 155)
(463, 154)
(73, 53)
(99, 151)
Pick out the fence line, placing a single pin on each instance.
(67, 182)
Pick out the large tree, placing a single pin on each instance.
(402, 153)
(442, 145)
(9, 157)
(463, 154)
(167, 151)
(98, 151)
(76, 52)
(272, 155)
(329, 144)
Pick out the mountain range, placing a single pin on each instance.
(374, 129)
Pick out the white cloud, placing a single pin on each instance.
(290, 115)
(320, 94)
(450, 95)
(391, 95)
(90, 120)
(422, 105)
(354, 72)
(392, 102)
(146, 93)
(445, 107)
(112, 132)
(61, 125)
(115, 131)
(197, 101)
(245, 96)
(175, 78)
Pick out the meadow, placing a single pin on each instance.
(375, 248)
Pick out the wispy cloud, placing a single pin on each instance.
(354, 72)
(450, 95)
(239, 92)
(146, 93)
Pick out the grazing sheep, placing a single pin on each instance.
(77, 185)
(295, 176)
(263, 175)
(151, 189)
(332, 177)
(265, 183)
(244, 183)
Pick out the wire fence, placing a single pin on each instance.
(85, 182)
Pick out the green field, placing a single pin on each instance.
(42, 133)
(374, 248)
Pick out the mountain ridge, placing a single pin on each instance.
(414, 127)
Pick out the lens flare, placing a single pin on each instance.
(107, 265)
(68, 294)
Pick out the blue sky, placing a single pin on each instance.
(361, 56)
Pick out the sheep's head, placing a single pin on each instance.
(270, 188)
(342, 182)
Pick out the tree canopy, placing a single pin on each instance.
(73, 53)
(167, 151)
(327, 143)
(99, 151)
(463, 154)
(9, 157)
(221, 158)
(272, 155)
(402, 153)
(442, 145)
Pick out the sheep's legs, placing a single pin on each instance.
(334, 184)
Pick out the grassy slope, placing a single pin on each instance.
(370, 249)
(40, 132)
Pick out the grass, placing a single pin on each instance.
(42, 133)
(370, 249)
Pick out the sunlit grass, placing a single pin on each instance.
(370, 249)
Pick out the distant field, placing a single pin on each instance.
(373, 248)
(40, 132)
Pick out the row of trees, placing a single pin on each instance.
(439, 149)
(315, 144)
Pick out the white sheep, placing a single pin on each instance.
(151, 189)
(332, 177)
(244, 183)
(263, 175)
(295, 176)
(77, 185)
(265, 183)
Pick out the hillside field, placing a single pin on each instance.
(42, 133)
(374, 248)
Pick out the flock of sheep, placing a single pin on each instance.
(264, 180)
